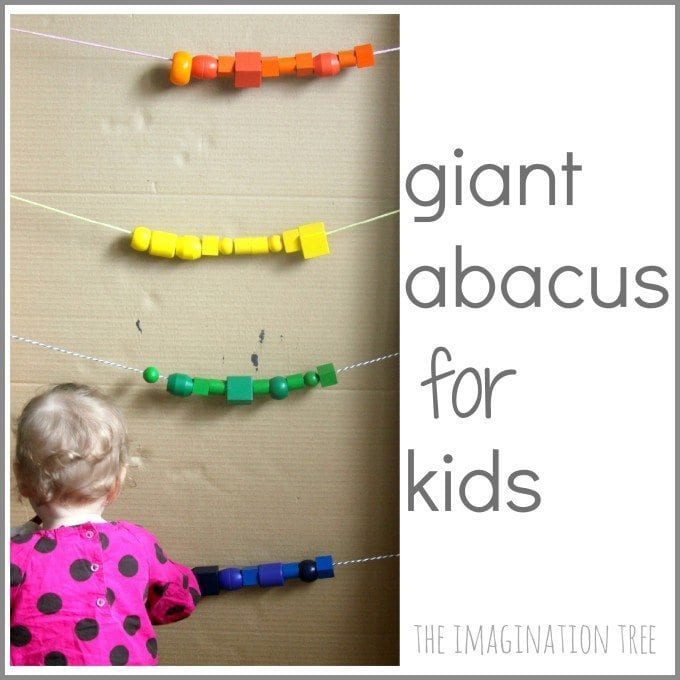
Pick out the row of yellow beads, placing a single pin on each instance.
(309, 239)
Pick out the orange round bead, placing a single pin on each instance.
(326, 64)
(204, 67)
(180, 71)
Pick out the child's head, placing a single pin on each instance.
(72, 447)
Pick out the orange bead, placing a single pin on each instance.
(347, 58)
(364, 54)
(225, 66)
(270, 67)
(286, 65)
(304, 64)
(326, 64)
(180, 71)
(204, 67)
(248, 69)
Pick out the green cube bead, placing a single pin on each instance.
(311, 379)
(201, 386)
(216, 386)
(327, 375)
(295, 381)
(261, 386)
(180, 385)
(239, 389)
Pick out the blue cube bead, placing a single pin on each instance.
(230, 579)
(324, 566)
(270, 575)
(249, 575)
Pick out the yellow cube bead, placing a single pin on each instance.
(141, 238)
(313, 240)
(188, 247)
(242, 246)
(226, 245)
(291, 240)
(259, 245)
(275, 243)
(210, 246)
(162, 244)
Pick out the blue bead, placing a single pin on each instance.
(208, 579)
(324, 566)
(249, 575)
(230, 579)
(291, 570)
(270, 575)
(308, 572)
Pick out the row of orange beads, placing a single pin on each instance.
(248, 68)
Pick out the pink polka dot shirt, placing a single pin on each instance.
(89, 595)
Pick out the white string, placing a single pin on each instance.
(365, 559)
(367, 363)
(389, 49)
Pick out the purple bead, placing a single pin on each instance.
(230, 579)
(270, 575)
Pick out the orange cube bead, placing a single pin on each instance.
(180, 71)
(248, 69)
(286, 65)
(326, 64)
(304, 64)
(270, 67)
(204, 67)
(347, 58)
(365, 56)
(225, 66)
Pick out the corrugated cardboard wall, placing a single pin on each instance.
(103, 135)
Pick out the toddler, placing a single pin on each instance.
(84, 590)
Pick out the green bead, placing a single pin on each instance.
(261, 386)
(239, 389)
(327, 375)
(311, 379)
(180, 385)
(295, 381)
(278, 387)
(151, 374)
(216, 386)
(201, 387)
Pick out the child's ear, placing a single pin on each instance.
(115, 491)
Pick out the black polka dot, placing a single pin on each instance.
(16, 577)
(176, 609)
(80, 570)
(22, 537)
(160, 555)
(132, 624)
(128, 565)
(119, 655)
(195, 595)
(152, 647)
(104, 540)
(19, 636)
(87, 629)
(160, 588)
(110, 596)
(55, 659)
(185, 581)
(45, 545)
(49, 603)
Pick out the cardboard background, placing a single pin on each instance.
(104, 135)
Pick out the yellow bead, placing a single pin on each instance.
(180, 71)
(188, 247)
(210, 245)
(242, 246)
(259, 245)
(162, 244)
(275, 243)
(291, 240)
(141, 238)
(313, 240)
(226, 245)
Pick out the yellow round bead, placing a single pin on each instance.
(275, 243)
(226, 245)
(188, 247)
(180, 71)
(141, 238)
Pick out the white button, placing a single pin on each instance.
(94, 567)
(89, 533)
(101, 601)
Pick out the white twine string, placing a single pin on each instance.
(365, 559)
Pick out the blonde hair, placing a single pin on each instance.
(72, 446)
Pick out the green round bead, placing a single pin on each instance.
(311, 379)
(151, 374)
(278, 387)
